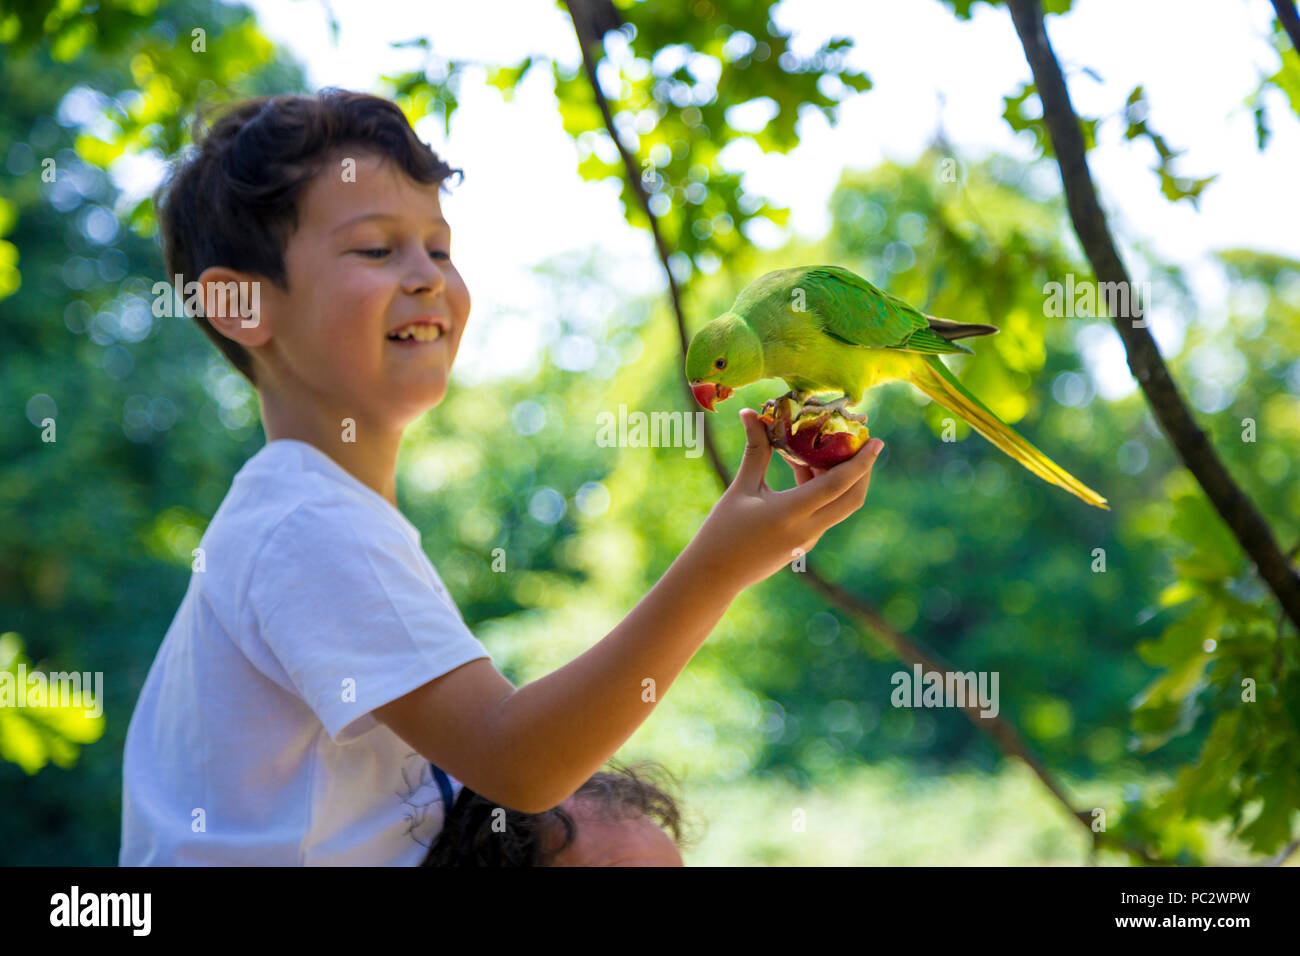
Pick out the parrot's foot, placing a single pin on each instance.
(839, 405)
(813, 434)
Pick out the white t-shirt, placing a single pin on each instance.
(252, 742)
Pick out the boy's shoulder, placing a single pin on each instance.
(292, 493)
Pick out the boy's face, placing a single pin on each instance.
(367, 256)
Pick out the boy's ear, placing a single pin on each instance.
(232, 302)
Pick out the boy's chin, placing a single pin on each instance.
(418, 400)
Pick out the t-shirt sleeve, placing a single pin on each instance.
(347, 606)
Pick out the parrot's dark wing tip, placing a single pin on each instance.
(950, 329)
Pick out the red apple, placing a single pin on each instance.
(813, 435)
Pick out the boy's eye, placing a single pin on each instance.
(378, 253)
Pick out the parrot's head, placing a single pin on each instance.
(723, 356)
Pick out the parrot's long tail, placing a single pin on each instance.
(934, 378)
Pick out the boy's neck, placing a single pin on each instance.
(371, 459)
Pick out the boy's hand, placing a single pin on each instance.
(753, 531)
(803, 473)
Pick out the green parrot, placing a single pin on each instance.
(826, 329)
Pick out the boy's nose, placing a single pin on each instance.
(427, 277)
(418, 284)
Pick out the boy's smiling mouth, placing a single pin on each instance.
(427, 329)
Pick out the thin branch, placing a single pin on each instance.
(1290, 21)
(590, 21)
(1281, 624)
(1284, 854)
(1003, 734)
(1144, 359)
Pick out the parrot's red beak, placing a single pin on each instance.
(706, 393)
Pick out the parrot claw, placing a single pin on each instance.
(839, 405)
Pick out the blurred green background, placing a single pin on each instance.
(1123, 681)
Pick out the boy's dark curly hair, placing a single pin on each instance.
(232, 200)
(467, 837)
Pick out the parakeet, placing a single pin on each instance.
(824, 328)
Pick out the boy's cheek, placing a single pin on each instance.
(455, 291)
(358, 307)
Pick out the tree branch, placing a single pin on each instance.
(1144, 359)
(584, 14)
(591, 20)
(1290, 21)
(1284, 854)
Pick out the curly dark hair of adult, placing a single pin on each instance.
(469, 838)
(232, 199)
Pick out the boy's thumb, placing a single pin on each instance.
(758, 450)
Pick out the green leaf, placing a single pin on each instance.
(1173, 187)
(506, 78)
(1183, 639)
(1206, 788)
(73, 40)
(1287, 80)
(33, 736)
(1271, 829)
(1215, 555)
(1177, 593)
(1262, 131)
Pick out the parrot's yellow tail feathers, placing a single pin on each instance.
(933, 377)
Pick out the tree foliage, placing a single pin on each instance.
(1134, 672)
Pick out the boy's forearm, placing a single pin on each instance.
(557, 731)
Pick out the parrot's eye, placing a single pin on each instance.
(720, 363)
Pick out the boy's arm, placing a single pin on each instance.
(530, 748)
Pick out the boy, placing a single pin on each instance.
(317, 666)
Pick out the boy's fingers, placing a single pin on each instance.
(845, 504)
(758, 452)
(834, 482)
(802, 473)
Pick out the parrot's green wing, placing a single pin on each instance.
(847, 307)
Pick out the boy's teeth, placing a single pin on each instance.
(421, 333)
